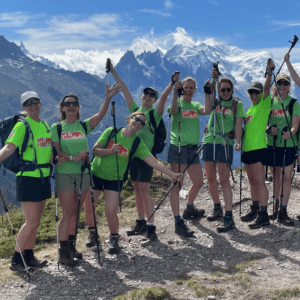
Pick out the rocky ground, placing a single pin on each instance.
(240, 264)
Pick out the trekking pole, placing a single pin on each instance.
(241, 176)
(94, 209)
(56, 221)
(168, 134)
(293, 42)
(113, 113)
(107, 70)
(200, 148)
(83, 166)
(27, 268)
(180, 92)
(215, 83)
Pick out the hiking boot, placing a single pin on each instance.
(261, 220)
(139, 227)
(74, 251)
(113, 244)
(215, 214)
(251, 214)
(16, 264)
(31, 260)
(92, 239)
(193, 212)
(95, 248)
(298, 217)
(283, 218)
(275, 214)
(182, 229)
(227, 224)
(151, 234)
(65, 257)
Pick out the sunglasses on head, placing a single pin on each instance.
(152, 95)
(30, 102)
(285, 83)
(256, 92)
(139, 120)
(226, 90)
(68, 103)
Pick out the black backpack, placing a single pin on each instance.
(160, 134)
(134, 147)
(15, 162)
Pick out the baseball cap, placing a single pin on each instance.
(27, 95)
(154, 91)
(283, 76)
(256, 85)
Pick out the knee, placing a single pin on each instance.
(224, 182)
(211, 180)
(198, 185)
(32, 225)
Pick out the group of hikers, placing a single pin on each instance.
(76, 185)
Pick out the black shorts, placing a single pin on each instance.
(208, 153)
(140, 171)
(103, 184)
(187, 154)
(290, 156)
(31, 189)
(254, 156)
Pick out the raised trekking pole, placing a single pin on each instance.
(200, 148)
(168, 134)
(113, 113)
(94, 209)
(56, 221)
(14, 233)
(293, 42)
(180, 92)
(107, 70)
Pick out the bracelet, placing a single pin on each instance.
(71, 158)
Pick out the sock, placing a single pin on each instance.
(255, 203)
(277, 200)
(228, 213)
(217, 206)
(28, 252)
(92, 229)
(17, 254)
(71, 237)
(263, 208)
(151, 224)
(114, 234)
(282, 206)
(63, 244)
(189, 206)
(141, 218)
(177, 218)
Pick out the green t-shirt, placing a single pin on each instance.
(277, 117)
(41, 144)
(189, 124)
(73, 140)
(256, 121)
(105, 167)
(145, 134)
(228, 121)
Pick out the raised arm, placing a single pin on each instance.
(124, 87)
(163, 98)
(109, 93)
(174, 105)
(270, 70)
(292, 70)
(207, 109)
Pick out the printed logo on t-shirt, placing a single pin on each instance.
(248, 119)
(44, 142)
(278, 112)
(227, 111)
(11, 134)
(122, 150)
(75, 135)
(189, 114)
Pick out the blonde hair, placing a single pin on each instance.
(62, 114)
(135, 114)
(189, 79)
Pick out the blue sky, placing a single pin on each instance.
(66, 30)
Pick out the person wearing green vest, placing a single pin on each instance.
(227, 118)
(254, 149)
(105, 176)
(72, 145)
(185, 134)
(286, 145)
(140, 172)
(33, 187)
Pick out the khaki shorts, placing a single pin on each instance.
(71, 182)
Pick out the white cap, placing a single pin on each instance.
(28, 95)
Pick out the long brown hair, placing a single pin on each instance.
(62, 114)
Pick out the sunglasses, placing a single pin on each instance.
(256, 92)
(30, 102)
(139, 120)
(226, 90)
(285, 83)
(152, 95)
(69, 103)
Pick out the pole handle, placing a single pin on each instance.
(107, 66)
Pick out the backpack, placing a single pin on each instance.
(134, 147)
(15, 162)
(160, 134)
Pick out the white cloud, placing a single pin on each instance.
(157, 12)
(213, 2)
(17, 19)
(169, 4)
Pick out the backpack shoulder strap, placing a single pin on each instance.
(112, 134)
(134, 147)
(234, 105)
(291, 106)
(59, 129)
(152, 119)
(136, 109)
(27, 134)
(83, 124)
